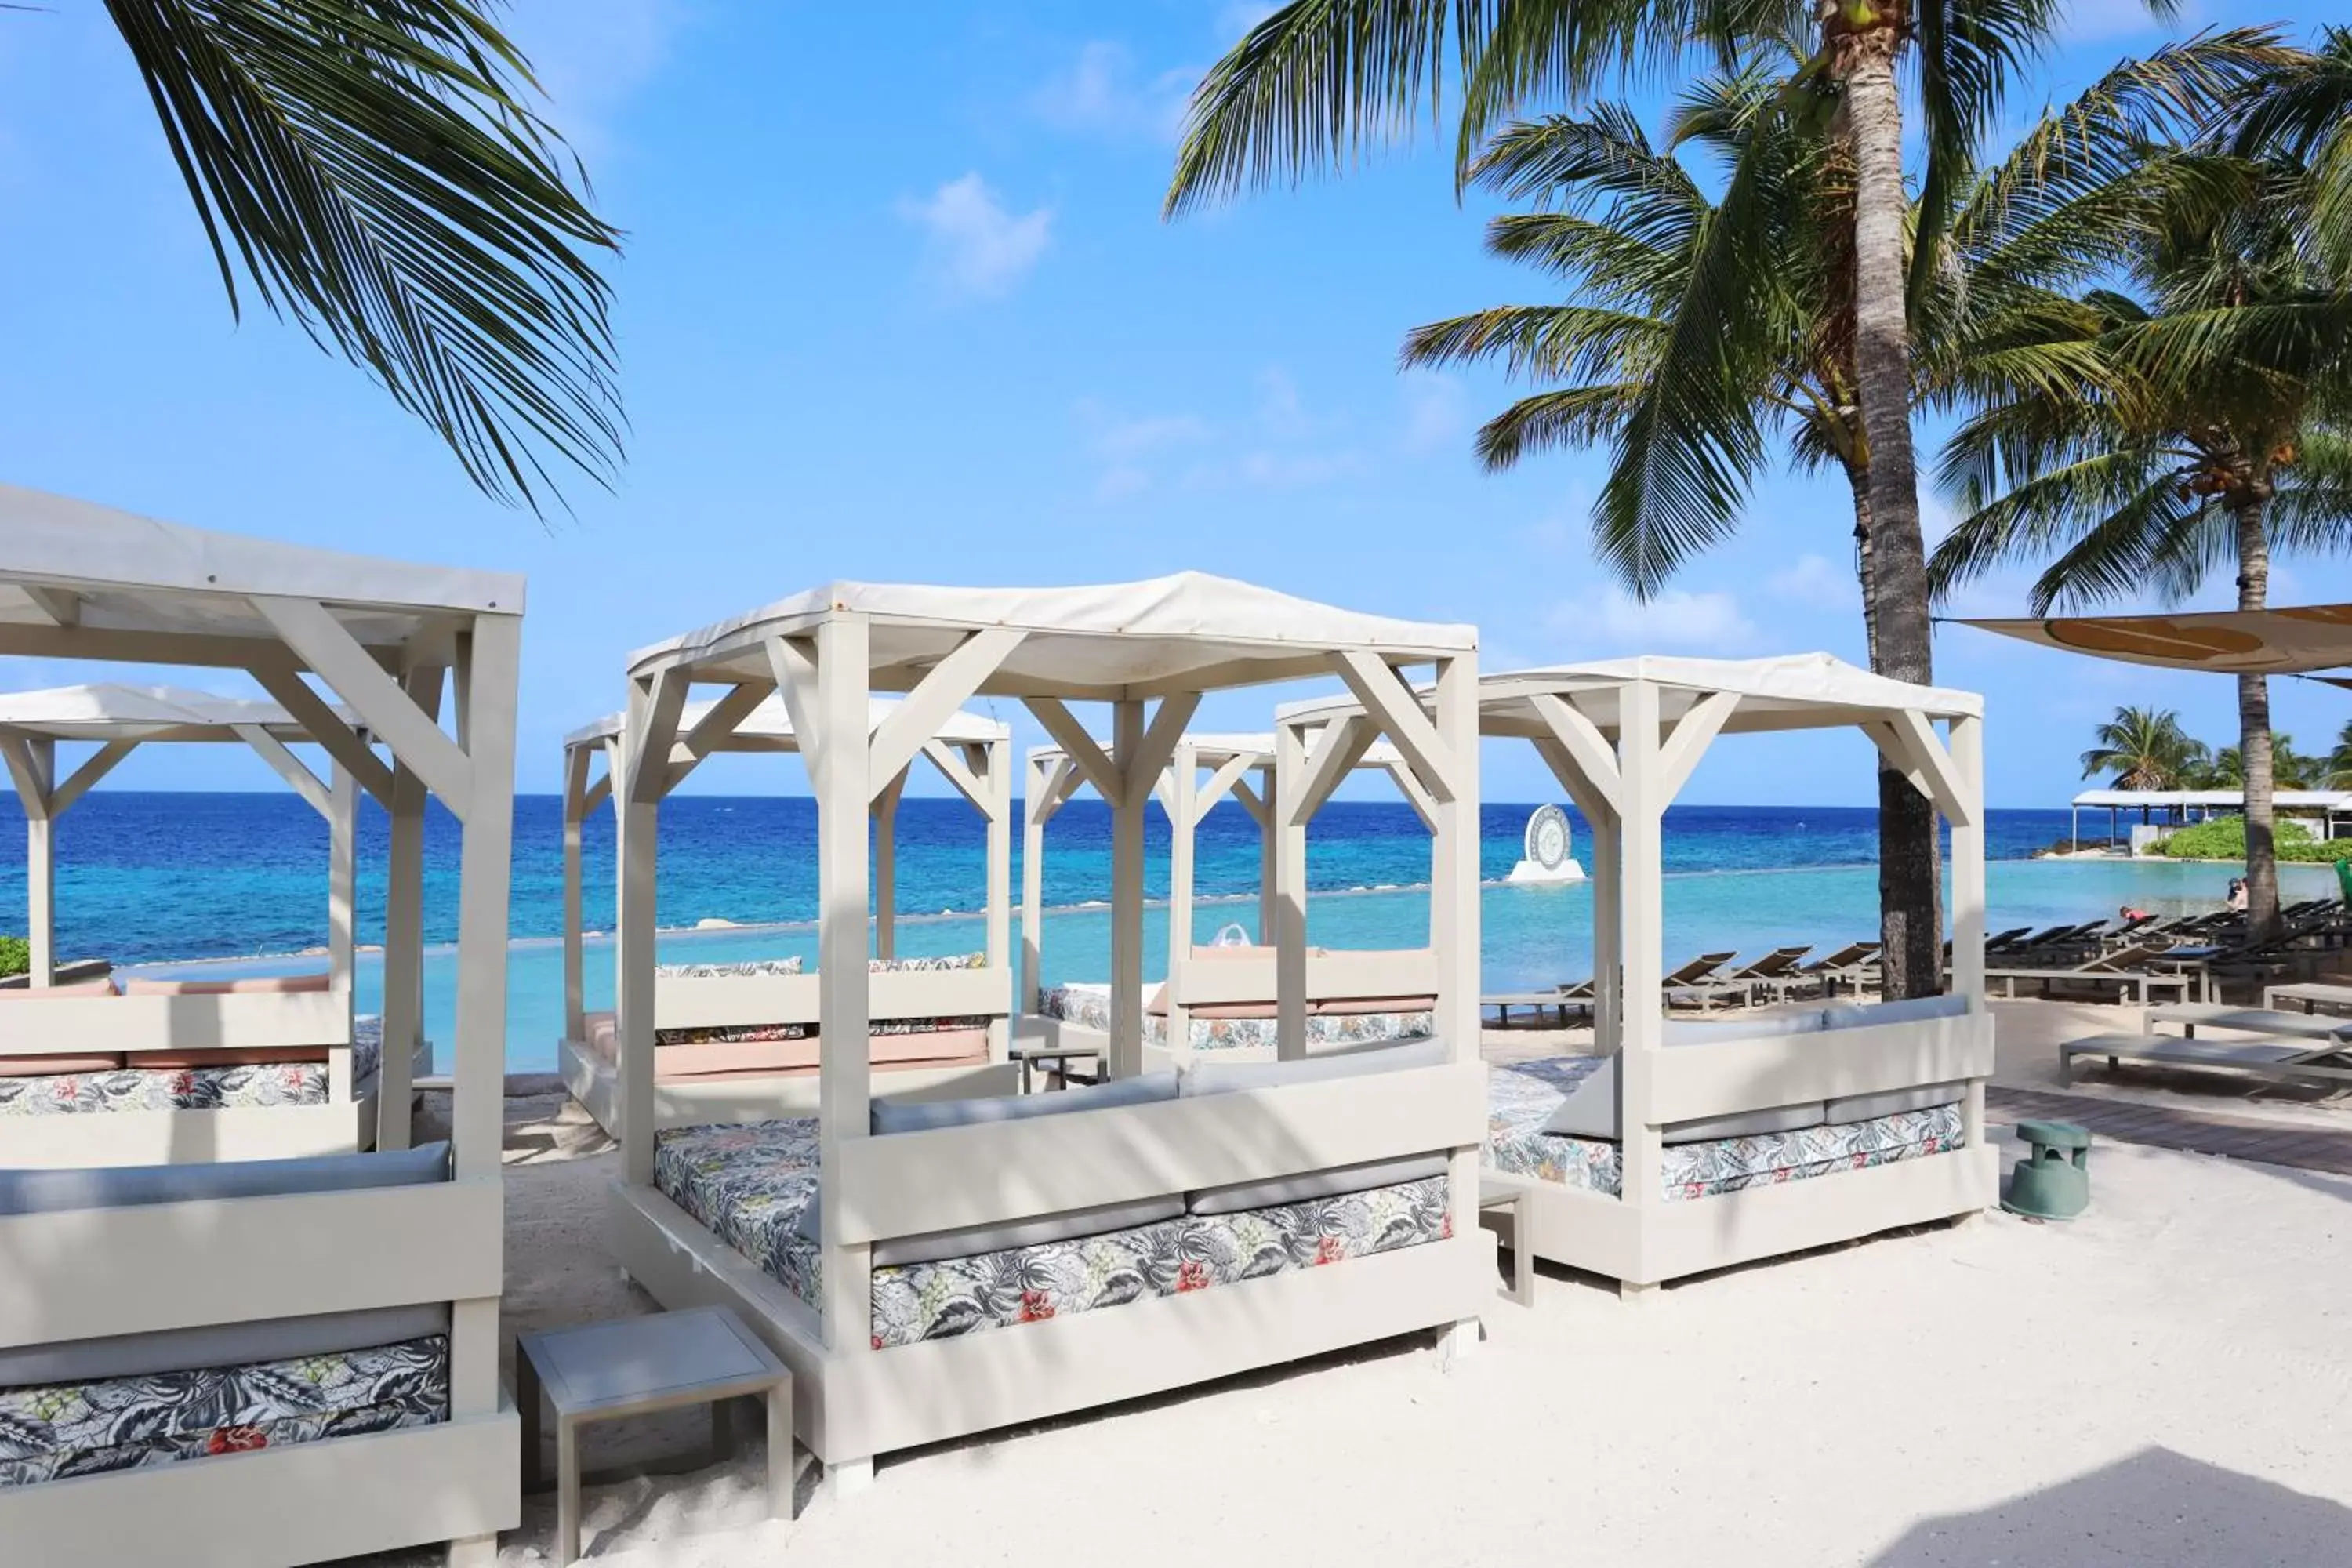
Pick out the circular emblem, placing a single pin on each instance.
(1548, 838)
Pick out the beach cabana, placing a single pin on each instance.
(934, 1269)
(737, 1041)
(302, 1080)
(1677, 1148)
(280, 1361)
(1217, 998)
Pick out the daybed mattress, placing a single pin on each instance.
(1088, 1006)
(192, 1088)
(1522, 1096)
(80, 1429)
(755, 1187)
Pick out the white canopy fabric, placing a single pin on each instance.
(769, 726)
(2229, 642)
(1111, 640)
(2169, 799)
(115, 570)
(106, 711)
(1790, 691)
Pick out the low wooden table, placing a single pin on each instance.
(637, 1367)
(1502, 1195)
(1060, 1056)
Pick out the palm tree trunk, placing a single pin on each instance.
(1909, 884)
(1857, 478)
(2255, 735)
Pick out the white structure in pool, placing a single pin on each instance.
(1545, 858)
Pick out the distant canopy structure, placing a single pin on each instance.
(2296, 641)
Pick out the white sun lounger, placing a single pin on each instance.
(2194, 1015)
(2325, 1060)
(2310, 992)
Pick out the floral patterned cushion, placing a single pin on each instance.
(80, 1429)
(1522, 1096)
(1088, 1006)
(755, 1188)
(791, 965)
(158, 1088)
(937, 961)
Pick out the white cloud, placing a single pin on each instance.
(1287, 470)
(1675, 621)
(2092, 21)
(980, 248)
(1815, 581)
(1151, 432)
(1436, 410)
(1103, 93)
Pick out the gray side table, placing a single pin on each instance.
(636, 1366)
(1494, 1195)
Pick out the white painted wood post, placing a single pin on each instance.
(839, 772)
(1967, 747)
(576, 760)
(997, 758)
(403, 927)
(1034, 811)
(637, 825)
(343, 881)
(485, 875)
(41, 867)
(1454, 919)
(1183, 778)
(886, 867)
(1641, 898)
(1287, 824)
(1268, 850)
(1126, 891)
(1608, 839)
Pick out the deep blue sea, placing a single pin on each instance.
(159, 879)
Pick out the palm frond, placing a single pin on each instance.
(1556, 343)
(371, 169)
(1560, 420)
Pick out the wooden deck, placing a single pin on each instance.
(2200, 1132)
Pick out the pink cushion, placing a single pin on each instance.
(54, 1067)
(706, 1058)
(1358, 1006)
(252, 985)
(78, 989)
(226, 1056)
(941, 1047)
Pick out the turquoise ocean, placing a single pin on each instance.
(238, 884)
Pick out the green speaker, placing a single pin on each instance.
(2053, 1180)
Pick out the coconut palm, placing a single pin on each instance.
(2335, 772)
(2290, 769)
(375, 170)
(2144, 748)
(2211, 434)
(1318, 81)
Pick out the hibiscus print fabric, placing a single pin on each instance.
(717, 970)
(192, 1088)
(1088, 1006)
(83, 1429)
(755, 1188)
(1522, 1096)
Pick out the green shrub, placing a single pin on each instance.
(2224, 838)
(15, 955)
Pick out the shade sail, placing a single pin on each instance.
(2226, 642)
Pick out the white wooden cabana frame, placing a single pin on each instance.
(84, 582)
(1623, 737)
(1150, 650)
(1204, 770)
(971, 753)
(118, 720)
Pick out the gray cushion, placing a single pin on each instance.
(975, 1239)
(924, 1115)
(1894, 1101)
(1590, 1111)
(217, 1345)
(126, 1187)
(1846, 1016)
(1311, 1184)
(1749, 1028)
(1206, 1077)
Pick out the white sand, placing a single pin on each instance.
(2163, 1382)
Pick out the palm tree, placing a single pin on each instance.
(2210, 433)
(2336, 771)
(373, 169)
(2144, 748)
(1317, 81)
(2290, 769)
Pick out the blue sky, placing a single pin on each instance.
(899, 304)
